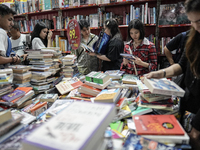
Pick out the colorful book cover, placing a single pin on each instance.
(13, 95)
(163, 86)
(157, 125)
(138, 143)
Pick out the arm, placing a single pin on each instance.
(102, 57)
(173, 70)
(49, 38)
(168, 55)
(6, 60)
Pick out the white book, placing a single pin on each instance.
(82, 128)
(99, 86)
(164, 87)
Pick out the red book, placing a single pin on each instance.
(157, 125)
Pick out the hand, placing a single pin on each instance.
(194, 138)
(138, 61)
(17, 60)
(49, 34)
(24, 56)
(154, 74)
(125, 61)
(92, 54)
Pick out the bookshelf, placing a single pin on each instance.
(120, 10)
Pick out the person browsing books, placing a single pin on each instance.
(189, 65)
(86, 63)
(112, 59)
(141, 48)
(6, 22)
(178, 44)
(41, 36)
(18, 41)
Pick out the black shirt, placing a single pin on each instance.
(115, 47)
(191, 100)
(175, 44)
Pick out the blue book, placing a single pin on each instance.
(136, 142)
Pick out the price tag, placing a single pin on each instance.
(74, 34)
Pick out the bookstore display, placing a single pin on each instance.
(48, 104)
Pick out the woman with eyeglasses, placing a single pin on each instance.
(41, 36)
(112, 59)
(189, 65)
(141, 48)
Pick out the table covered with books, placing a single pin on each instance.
(52, 106)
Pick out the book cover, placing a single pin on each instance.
(138, 142)
(129, 79)
(13, 95)
(5, 116)
(141, 111)
(130, 57)
(48, 97)
(72, 131)
(157, 125)
(108, 96)
(163, 86)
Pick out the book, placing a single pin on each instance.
(97, 77)
(129, 79)
(118, 126)
(99, 86)
(157, 125)
(86, 89)
(115, 74)
(5, 116)
(48, 97)
(141, 111)
(164, 87)
(130, 57)
(66, 86)
(107, 96)
(20, 68)
(138, 142)
(81, 134)
(13, 95)
(38, 109)
(87, 48)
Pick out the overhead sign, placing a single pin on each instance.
(74, 34)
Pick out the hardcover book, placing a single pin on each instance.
(13, 95)
(82, 128)
(163, 86)
(157, 125)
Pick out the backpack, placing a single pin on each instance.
(179, 50)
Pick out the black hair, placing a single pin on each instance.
(112, 25)
(16, 25)
(5, 10)
(136, 24)
(192, 6)
(36, 32)
(83, 23)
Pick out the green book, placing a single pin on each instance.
(141, 111)
(118, 126)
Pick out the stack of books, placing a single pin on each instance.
(68, 65)
(22, 75)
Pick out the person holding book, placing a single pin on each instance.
(178, 44)
(41, 36)
(18, 41)
(112, 59)
(86, 63)
(6, 22)
(189, 65)
(144, 51)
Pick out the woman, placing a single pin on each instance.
(41, 36)
(86, 63)
(189, 65)
(112, 59)
(142, 49)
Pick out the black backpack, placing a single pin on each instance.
(179, 50)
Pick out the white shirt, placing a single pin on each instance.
(17, 45)
(3, 42)
(37, 43)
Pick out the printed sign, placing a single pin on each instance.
(74, 34)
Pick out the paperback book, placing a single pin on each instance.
(163, 86)
(13, 95)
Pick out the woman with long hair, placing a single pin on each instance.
(189, 64)
(41, 36)
(112, 59)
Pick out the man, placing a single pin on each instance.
(177, 43)
(86, 63)
(6, 23)
(18, 40)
